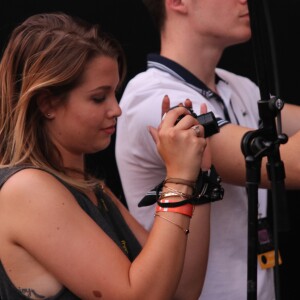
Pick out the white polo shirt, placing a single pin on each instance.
(141, 167)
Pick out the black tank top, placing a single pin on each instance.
(105, 214)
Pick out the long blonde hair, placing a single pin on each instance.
(46, 53)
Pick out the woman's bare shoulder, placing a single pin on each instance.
(31, 187)
(29, 179)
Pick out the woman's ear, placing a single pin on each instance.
(45, 104)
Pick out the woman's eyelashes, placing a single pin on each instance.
(99, 99)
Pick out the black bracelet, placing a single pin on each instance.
(208, 188)
(173, 204)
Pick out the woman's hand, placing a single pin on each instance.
(181, 145)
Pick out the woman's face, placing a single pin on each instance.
(86, 121)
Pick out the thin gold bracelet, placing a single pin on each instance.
(181, 194)
(186, 231)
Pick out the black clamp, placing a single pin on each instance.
(208, 188)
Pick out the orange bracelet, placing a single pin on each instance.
(186, 209)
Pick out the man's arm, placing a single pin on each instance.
(229, 160)
(290, 115)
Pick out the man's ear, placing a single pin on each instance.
(177, 5)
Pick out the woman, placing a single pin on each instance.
(63, 234)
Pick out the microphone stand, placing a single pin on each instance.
(260, 143)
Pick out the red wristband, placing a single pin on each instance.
(186, 209)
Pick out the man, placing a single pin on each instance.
(194, 35)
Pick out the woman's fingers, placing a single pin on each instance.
(165, 106)
(154, 133)
(206, 157)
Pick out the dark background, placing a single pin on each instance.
(128, 21)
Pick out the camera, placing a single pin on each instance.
(207, 120)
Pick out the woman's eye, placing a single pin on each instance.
(99, 99)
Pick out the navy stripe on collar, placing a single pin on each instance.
(170, 66)
(164, 64)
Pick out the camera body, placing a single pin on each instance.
(207, 120)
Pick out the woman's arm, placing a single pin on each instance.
(40, 215)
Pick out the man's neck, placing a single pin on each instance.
(201, 60)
